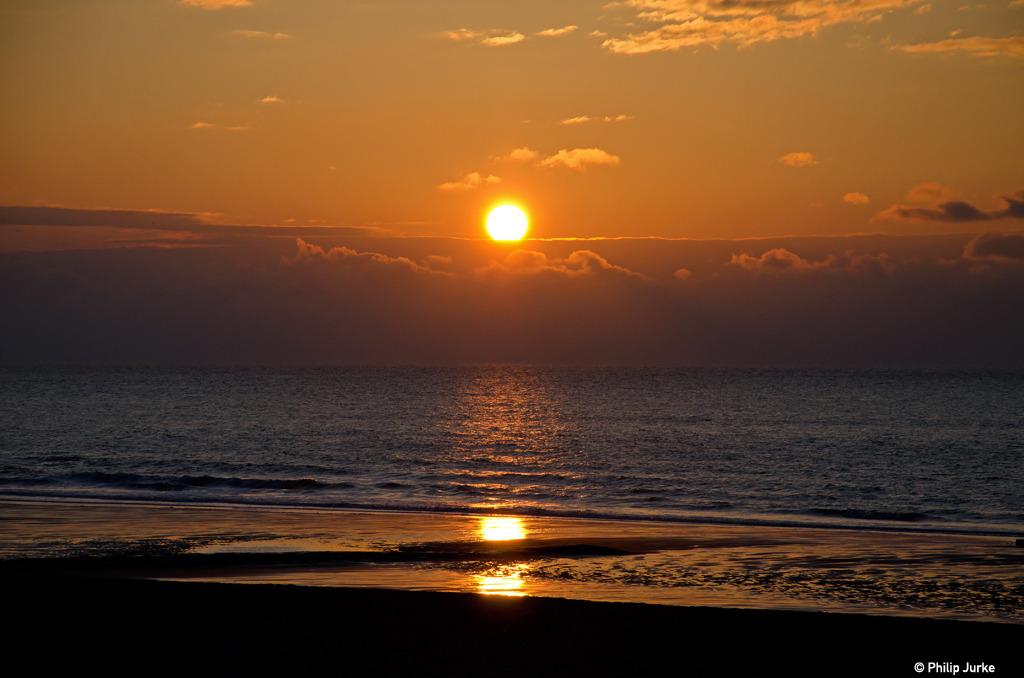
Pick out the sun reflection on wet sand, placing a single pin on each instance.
(501, 529)
(506, 581)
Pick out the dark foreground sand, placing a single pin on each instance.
(142, 627)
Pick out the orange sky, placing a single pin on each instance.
(708, 183)
(674, 118)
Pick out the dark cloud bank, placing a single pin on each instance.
(943, 301)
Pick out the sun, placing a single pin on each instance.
(506, 223)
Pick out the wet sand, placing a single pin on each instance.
(977, 578)
(144, 627)
(147, 589)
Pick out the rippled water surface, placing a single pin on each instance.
(904, 448)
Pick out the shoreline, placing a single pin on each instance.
(842, 571)
(128, 626)
(795, 522)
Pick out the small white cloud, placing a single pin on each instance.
(555, 32)
(577, 120)
(798, 160)
(856, 198)
(464, 34)
(469, 182)
(272, 100)
(523, 154)
(217, 4)
(597, 34)
(618, 118)
(501, 40)
(492, 38)
(578, 158)
(259, 34)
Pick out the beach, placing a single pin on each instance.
(126, 626)
(243, 591)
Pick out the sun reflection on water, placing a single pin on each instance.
(501, 529)
(505, 581)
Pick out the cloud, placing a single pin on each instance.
(577, 158)
(469, 182)
(997, 246)
(345, 301)
(555, 32)
(782, 260)
(956, 211)
(500, 40)
(192, 223)
(259, 34)
(579, 263)
(523, 154)
(690, 23)
(976, 46)
(682, 274)
(932, 193)
(798, 160)
(312, 254)
(856, 198)
(577, 120)
(618, 118)
(271, 100)
(491, 38)
(923, 9)
(210, 125)
(217, 4)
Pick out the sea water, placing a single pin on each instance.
(920, 450)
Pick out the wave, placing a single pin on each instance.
(177, 483)
(828, 519)
(859, 514)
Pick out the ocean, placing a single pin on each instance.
(880, 457)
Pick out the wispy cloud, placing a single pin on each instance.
(798, 160)
(500, 40)
(210, 125)
(555, 32)
(976, 46)
(272, 100)
(578, 158)
(856, 198)
(260, 34)
(690, 23)
(586, 118)
(957, 211)
(932, 193)
(217, 4)
(469, 182)
(491, 38)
